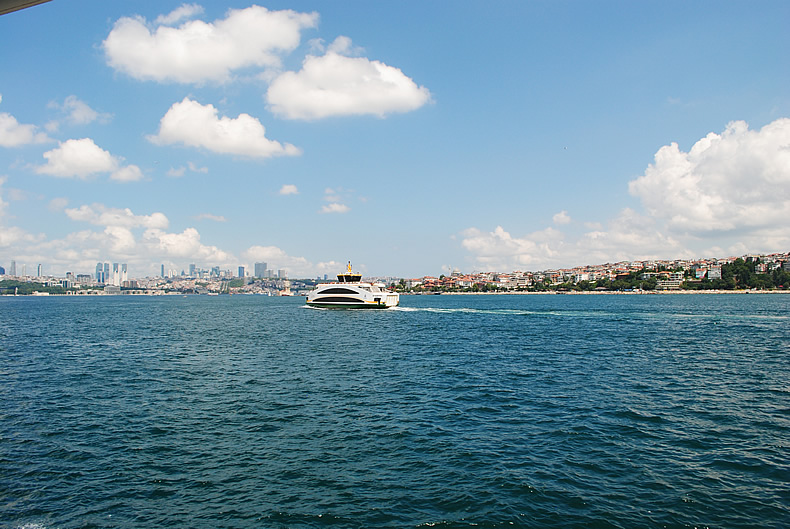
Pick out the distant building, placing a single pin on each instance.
(282, 274)
(2, 271)
(241, 271)
(260, 269)
(192, 270)
(38, 270)
(12, 272)
(162, 274)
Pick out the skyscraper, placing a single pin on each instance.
(99, 273)
(12, 272)
(106, 273)
(192, 270)
(241, 271)
(124, 274)
(38, 271)
(260, 269)
(163, 271)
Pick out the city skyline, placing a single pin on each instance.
(408, 138)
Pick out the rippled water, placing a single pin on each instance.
(450, 411)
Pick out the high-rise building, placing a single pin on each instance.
(99, 273)
(2, 271)
(163, 271)
(281, 274)
(38, 270)
(241, 271)
(12, 272)
(116, 274)
(124, 273)
(107, 273)
(192, 270)
(260, 269)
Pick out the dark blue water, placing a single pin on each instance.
(451, 411)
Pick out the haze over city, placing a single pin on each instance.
(408, 137)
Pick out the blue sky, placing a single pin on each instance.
(406, 137)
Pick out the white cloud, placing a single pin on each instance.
(11, 235)
(15, 134)
(101, 215)
(561, 218)
(338, 85)
(628, 236)
(184, 245)
(83, 158)
(174, 172)
(77, 113)
(58, 204)
(200, 51)
(276, 258)
(196, 125)
(735, 181)
(186, 11)
(289, 189)
(129, 173)
(209, 216)
(730, 194)
(334, 207)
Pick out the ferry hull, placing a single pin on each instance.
(320, 305)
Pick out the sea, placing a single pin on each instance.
(473, 411)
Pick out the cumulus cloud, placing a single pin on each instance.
(728, 195)
(101, 215)
(561, 218)
(11, 235)
(196, 125)
(737, 180)
(83, 158)
(334, 207)
(184, 245)
(76, 112)
(198, 51)
(277, 258)
(15, 134)
(289, 189)
(185, 11)
(628, 236)
(338, 85)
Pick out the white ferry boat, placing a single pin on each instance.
(349, 292)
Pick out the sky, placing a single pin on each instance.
(409, 137)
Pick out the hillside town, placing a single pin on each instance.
(748, 272)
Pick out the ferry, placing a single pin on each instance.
(350, 292)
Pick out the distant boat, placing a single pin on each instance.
(350, 292)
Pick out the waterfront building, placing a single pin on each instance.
(260, 269)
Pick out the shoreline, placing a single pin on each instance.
(605, 293)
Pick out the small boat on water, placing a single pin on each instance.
(350, 292)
